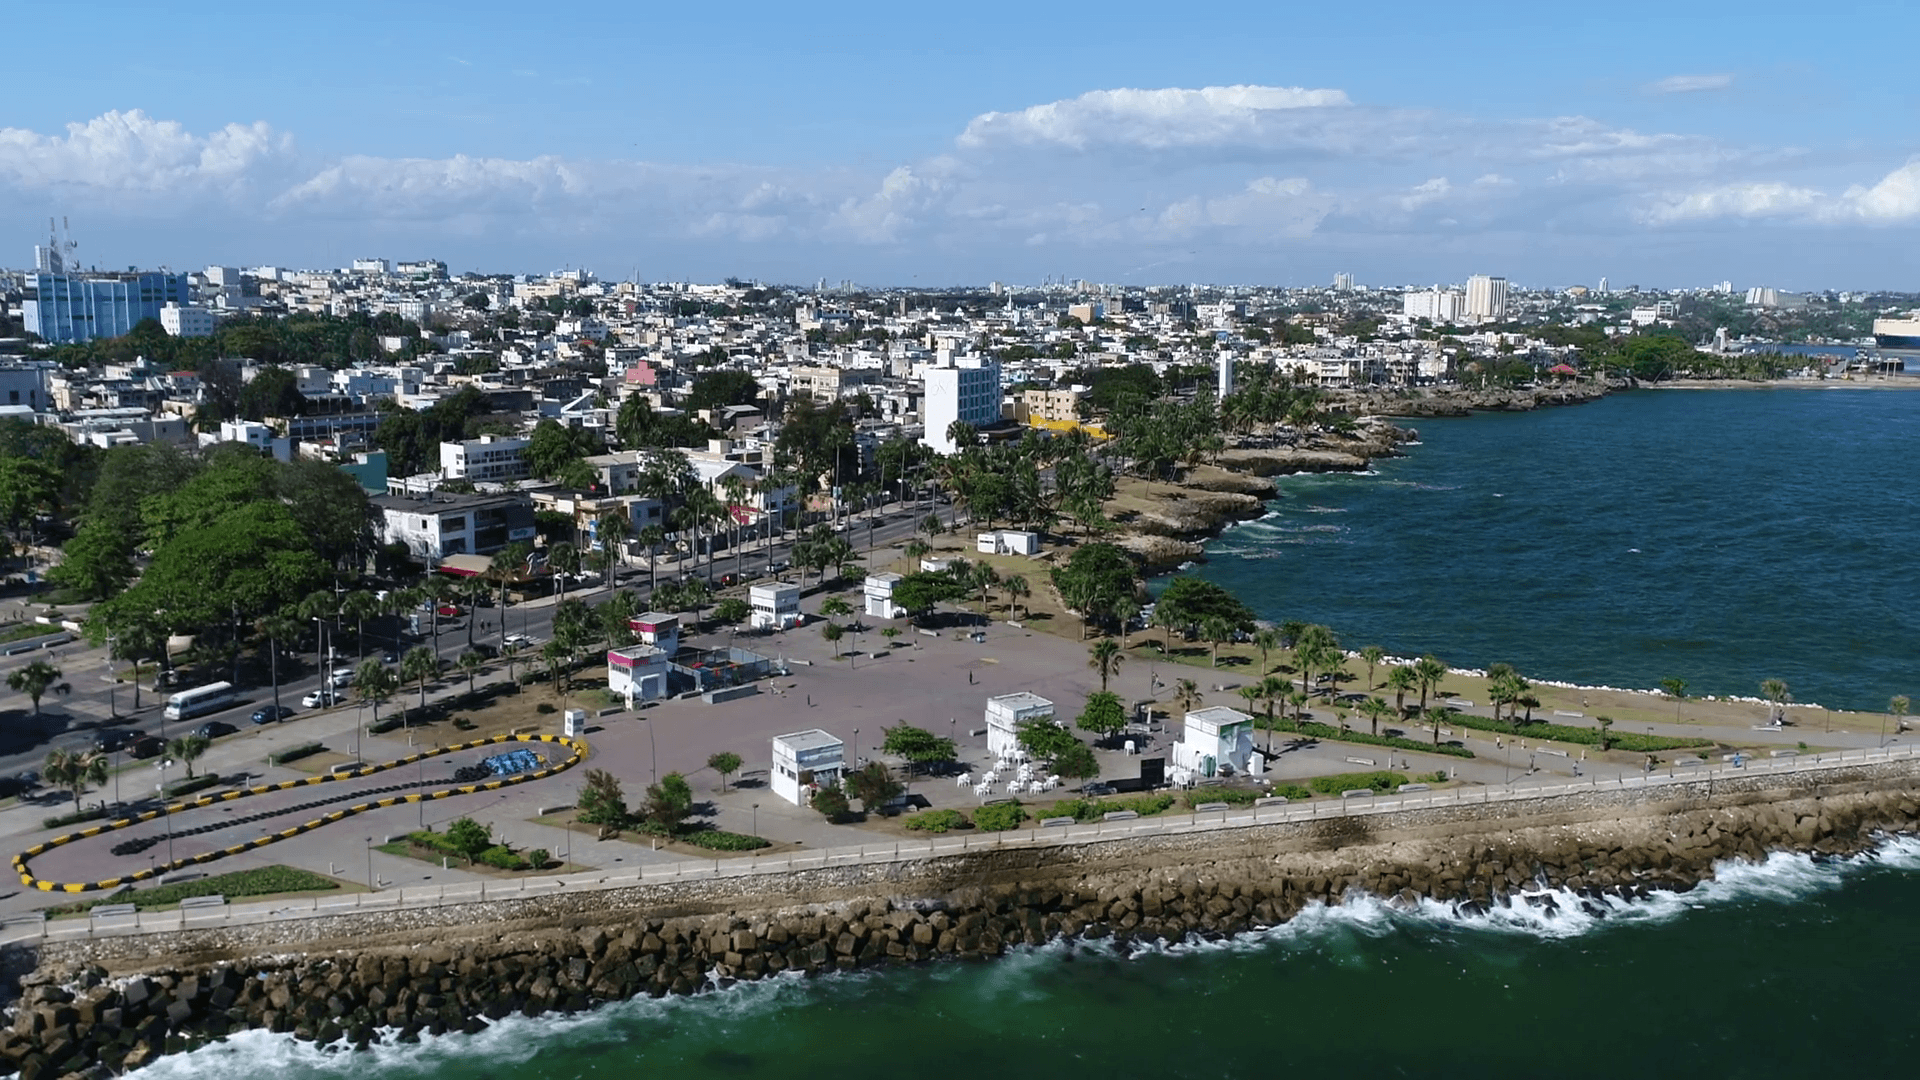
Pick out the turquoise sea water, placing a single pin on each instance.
(1790, 968)
(1720, 536)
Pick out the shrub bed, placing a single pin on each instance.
(1293, 792)
(1230, 796)
(936, 821)
(1093, 809)
(1619, 740)
(295, 753)
(999, 817)
(188, 787)
(92, 813)
(1377, 781)
(384, 726)
(722, 840)
(265, 881)
(1328, 731)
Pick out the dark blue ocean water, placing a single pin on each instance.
(1720, 536)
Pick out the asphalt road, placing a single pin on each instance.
(95, 703)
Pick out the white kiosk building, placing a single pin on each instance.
(658, 629)
(1215, 739)
(879, 592)
(1005, 714)
(812, 751)
(775, 606)
(637, 673)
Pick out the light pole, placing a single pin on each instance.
(369, 864)
(756, 819)
(856, 748)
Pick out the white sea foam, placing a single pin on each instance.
(1539, 912)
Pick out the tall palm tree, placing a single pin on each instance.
(1428, 671)
(1272, 689)
(1371, 656)
(470, 662)
(359, 606)
(1216, 631)
(277, 629)
(34, 680)
(1186, 695)
(1266, 639)
(1250, 693)
(1105, 657)
(421, 665)
(564, 559)
(1017, 590)
(186, 748)
(1402, 681)
(1777, 694)
(614, 529)
(1898, 706)
(75, 770)
(1374, 709)
(915, 550)
(375, 683)
(651, 538)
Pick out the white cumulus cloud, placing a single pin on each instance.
(133, 152)
(1151, 119)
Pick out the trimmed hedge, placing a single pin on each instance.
(721, 840)
(384, 726)
(1293, 792)
(1619, 740)
(1228, 795)
(1328, 731)
(188, 787)
(502, 857)
(936, 821)
(1378, 781)
(295, 753)
(1093, 809)
(265, 881)
(94, 813)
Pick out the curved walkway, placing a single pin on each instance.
(577, 746)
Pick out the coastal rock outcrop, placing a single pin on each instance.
(1460, 402)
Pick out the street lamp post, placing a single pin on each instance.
(369, 864)
(856, 748)
(756, 819)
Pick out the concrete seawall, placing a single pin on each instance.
(120, 999)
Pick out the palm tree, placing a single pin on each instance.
(915, 550)
(614, 530)
(421, 665)
(651, 538)
(1105, 657)
(1778, 694)
(470, 662)
(1017, 589)
(1371, 656)
(984, 577)
(75, 770)
(564, 559)
(374, 682)
(554, 653)
(1250, 693)
(185, 749)
(1272, 689)
(510, 654)
(1266, 639)
(833, 608)
(1428, 671)
(1167, 619)
(1373, 709)
(1186, 695)
(1402, 681)
(1898, 706)
(1216, 631)
(276, 629)
(34, 680)
(360, 605)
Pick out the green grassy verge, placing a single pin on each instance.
(266, 881)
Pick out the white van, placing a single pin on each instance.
(342, 677)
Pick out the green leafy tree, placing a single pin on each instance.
(832, 804)
(731, 610)
(1103, 715)
(918, 746)
(1076, 762)
(601, 802)
(873, 785)
(97, 563)
(34, 680)
(1043, 738)
(668, 802)
(469, 837)
(833, 632)
(726, 763)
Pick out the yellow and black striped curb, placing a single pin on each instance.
(578, 746)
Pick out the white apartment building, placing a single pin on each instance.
(180, 321)
(1486, 297)
(490, 458)
(967, 390)
(1435, 305)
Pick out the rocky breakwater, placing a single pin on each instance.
(99, 1007)
(1461, 402)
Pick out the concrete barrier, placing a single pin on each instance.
(1052, 822)
(1404, 788)
(1367, 761)
(1119, 815)
(1211, 807)
(730, 693)
(1270, 800)
(41, 642)
(1357, 793)
(927, 632)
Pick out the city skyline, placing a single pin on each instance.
(888, 148)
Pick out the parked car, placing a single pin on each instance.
(319, 698)
(215, 729)
(269, 714)
(110, 741)
(391, 656)
(448, 611)
(147, 746)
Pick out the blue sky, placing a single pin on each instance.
(1661, 144)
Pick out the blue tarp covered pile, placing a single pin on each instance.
(516, 762)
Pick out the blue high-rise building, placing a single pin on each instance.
(65, 308)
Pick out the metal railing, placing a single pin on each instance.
(119, 921)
